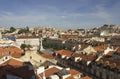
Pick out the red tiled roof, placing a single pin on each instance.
(110, 53)
(100, 48)
(64, 52)
(15, 67)
(110, 62)
(70, 77)
(12, 62)
(15, 63)
(11, 50)
(50, 72)
(74, 72)
(49, 56)
(86, 77)
(76, 55)
(84, 57)
(88, 57)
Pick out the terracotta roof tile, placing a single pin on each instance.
(12, 62)
(70, 77)
(100, 48)
(76, 55)
(50, 72)
(84, 57)
(86, 77)
(12, 50)
(74, 72)
(49, 56)
(88, 57)
(110, 53)
(15, 63)
(64, 52)
(110, 62)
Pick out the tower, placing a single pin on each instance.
(41, 46)
(40, 41)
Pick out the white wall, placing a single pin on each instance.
(31, 41)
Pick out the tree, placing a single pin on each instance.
(23, 46)
(27, 29)
(21, 31)
(28, 47)
(33, 34)
(12, 29)
(40, 52)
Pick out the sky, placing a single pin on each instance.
(64, 14)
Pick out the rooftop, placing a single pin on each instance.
(50, 72)
(64, 52)
(11, 50)
(48, 56)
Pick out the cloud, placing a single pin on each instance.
(63, 17)
(74, 13)
(12, 19)
(101, 12)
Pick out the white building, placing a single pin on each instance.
(101, 39)
(33, 41)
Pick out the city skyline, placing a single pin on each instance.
(59, 13)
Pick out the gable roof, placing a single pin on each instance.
(64, 52)
(110, 62)
(50, 72)
(86, 77)
(12, 62)
(49, 56)
(16, 68)
(11, 50)
(74, 72)
(100, 48)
